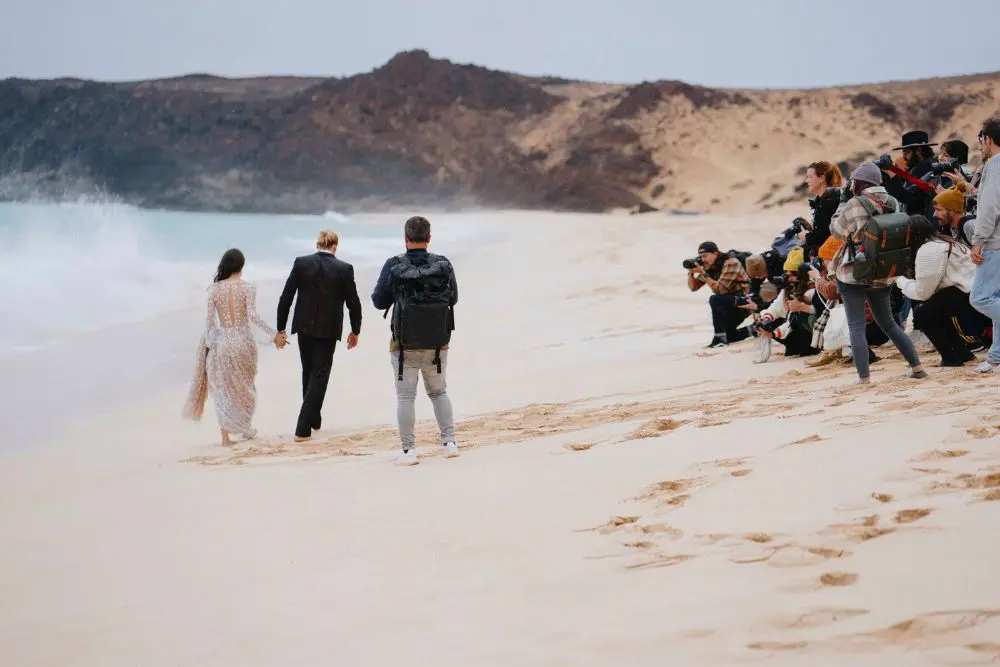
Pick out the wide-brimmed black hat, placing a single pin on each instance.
(914, 139)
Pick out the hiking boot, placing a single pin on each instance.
(825, 358)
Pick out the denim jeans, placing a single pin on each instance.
(879, 300)
(985, 297)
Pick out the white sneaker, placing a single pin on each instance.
(450, 450)
(407, 458)
(985, 367)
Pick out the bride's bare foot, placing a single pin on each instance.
(226, 442)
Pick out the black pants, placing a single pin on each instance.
(726, 317)
(317, 360)
(937, 318)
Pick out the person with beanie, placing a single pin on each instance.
(943, 275)
(790, 318)
(949, 210)
(730, 285)
(850, 219)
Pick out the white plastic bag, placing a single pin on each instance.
(836, 334)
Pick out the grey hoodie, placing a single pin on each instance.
(987, 231)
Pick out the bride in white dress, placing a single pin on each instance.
(226, 365)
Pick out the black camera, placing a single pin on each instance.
(941, 167)
(741, 300)
(691, 263)
(798, 224)
(780, 282)
(768, 325)
(847, 192)
(884, 162)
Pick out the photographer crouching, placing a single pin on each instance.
(791, 317)
(730, 287)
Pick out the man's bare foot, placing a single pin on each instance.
(301, 438)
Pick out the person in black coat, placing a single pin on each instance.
(823, 182)
(323, 285)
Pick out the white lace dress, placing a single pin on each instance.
(226, 365)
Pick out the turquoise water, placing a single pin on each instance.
(103, 303)
(72, 268)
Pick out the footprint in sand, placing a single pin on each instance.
(813, 618)
(787, 555)
(882, 497)
(838, 578)
(777, 646)
(579, 446)
(661, 529)
(655, 428)
(911, 515)
(613, 524)
(941, 454)
(865, 529)
(741, 473)
(920, 629)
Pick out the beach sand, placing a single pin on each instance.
(623, 497)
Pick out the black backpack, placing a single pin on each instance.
(883, 250)
(422, 312)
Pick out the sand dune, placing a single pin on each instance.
(622, 497)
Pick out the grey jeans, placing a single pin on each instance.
(416, 363)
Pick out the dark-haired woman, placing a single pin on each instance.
(227, 352)
(943, 277)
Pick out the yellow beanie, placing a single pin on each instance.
(951, 199)
(795, 257)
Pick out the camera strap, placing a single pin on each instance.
(907, 176)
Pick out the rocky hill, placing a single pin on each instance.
(428, 132)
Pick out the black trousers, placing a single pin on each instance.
(726, 317)
(937, 318)
(317, 360)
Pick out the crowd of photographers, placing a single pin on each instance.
(929, 225)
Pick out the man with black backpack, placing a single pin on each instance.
(421, 290)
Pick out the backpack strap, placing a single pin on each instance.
(437, 359)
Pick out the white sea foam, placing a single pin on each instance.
(69, 268)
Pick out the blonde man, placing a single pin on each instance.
(322, 286)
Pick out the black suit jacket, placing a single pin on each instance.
(324, 285)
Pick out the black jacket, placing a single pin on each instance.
(324, 285)
(823, 208)
(384, 294)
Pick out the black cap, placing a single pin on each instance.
(708, 246)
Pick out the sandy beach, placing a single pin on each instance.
(623, 496)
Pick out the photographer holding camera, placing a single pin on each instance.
(915, 187)
(790, 318)
(730, 285)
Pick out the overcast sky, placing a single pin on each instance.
(747, 43)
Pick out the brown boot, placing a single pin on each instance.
(827, 357)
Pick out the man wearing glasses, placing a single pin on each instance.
(985, 296)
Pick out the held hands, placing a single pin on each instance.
(280, 340)
(352, 341)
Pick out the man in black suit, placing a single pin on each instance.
(324, 285)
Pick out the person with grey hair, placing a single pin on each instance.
(421, 289)
(848, 221)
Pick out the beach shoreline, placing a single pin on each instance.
(623, 495)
